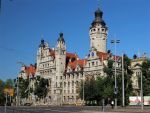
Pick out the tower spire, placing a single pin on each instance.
(98, 4)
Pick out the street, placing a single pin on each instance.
(72, 109)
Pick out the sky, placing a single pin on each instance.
(23, 23)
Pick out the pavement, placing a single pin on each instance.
(73, 109)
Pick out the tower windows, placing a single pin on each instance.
(92, 63)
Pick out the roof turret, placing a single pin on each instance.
(61, 39)
(98, 18)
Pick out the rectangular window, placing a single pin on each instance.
(92, 63)
(60, 77)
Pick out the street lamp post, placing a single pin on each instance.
(115, 92)
(123, 95)
(142, 100)
(6, 103)
(18, 101)
(84, 79)
(83, 89)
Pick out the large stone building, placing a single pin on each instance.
(65, 70)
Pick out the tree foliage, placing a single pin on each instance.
(2, 97)
(103, 86)
(146, 77)
(24, 87)
(7, 84)
(41, 85)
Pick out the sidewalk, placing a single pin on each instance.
(129, 109)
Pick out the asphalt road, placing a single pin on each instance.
(72, 109)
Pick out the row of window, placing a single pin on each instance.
(67, 92)
(77, 69)
(57, 77)
(74, 76)
(138, 73)
(71, 83)
(67, 84)
(70, 98)
(93, 63)
(46, 65)
(98, 29)
(46, 72)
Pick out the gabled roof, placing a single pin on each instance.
(74, 64)
(30, 70)
(102, 55)
(71, 55)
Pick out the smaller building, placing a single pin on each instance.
(136, 64)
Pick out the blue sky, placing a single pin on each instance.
(24, 22)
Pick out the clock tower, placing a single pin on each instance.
(98, 33)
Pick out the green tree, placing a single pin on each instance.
(89, 90)
(24, 87)
(9, 83)
(41, 85)
(127, 81)
(2, 97)
(109, 81)
(146, 77)
(103, 87)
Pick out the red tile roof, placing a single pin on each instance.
(102, 55)
(30, 70)
(71, 55)
(74, 64)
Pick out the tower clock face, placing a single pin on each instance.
(92, 53)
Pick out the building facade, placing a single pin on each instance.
(65, 70)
